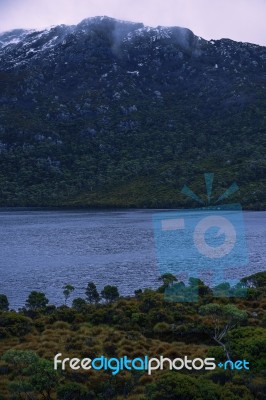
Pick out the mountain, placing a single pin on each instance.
(114, 113)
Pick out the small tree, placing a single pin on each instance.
(34, 375)
(75, 391)
(4, 304)
(92, 294)
(79, 304)
(138, 293)
(168, 279)
(110, 293)
(43, 378)
(199, 286)
(257, 280)
(36, 300)
(67, 290)
(223, 319)
(223, 289)
(20, 359)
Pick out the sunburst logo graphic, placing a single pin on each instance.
(219, 225)
(206, 242)
(209, 182)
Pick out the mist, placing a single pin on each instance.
(240, 20)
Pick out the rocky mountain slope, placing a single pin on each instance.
(114, 113)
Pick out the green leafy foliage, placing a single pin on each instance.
(36, 300)
(4, 304)
(75, 391)
(110, 293)
(67, 290)
(92, 294)
(142, 325)
(36, 374)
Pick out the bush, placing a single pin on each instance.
(75, 391)
(172, 386)
(162, 327)
(15, 324)
(110, 293)
(79, 304)
(249, 343)
(4, 304)
(36, 301)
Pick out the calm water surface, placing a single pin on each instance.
(43, 250)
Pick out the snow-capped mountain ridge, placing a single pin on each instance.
(84, 107)
(19, 46)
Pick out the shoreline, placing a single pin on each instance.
(106, 208)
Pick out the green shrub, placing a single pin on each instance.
(173, 386)
(73, 391)
(15, 324)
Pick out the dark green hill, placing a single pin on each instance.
(110, 113)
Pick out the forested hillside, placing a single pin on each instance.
(112, 113)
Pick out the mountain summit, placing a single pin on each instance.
(115, 113)
(37, 44)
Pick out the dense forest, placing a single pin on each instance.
(108, 113)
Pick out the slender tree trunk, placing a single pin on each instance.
(224, 347)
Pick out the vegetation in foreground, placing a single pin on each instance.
(224, 327)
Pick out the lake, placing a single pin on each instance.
(43, 250)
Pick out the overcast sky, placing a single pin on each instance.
(241, 20)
